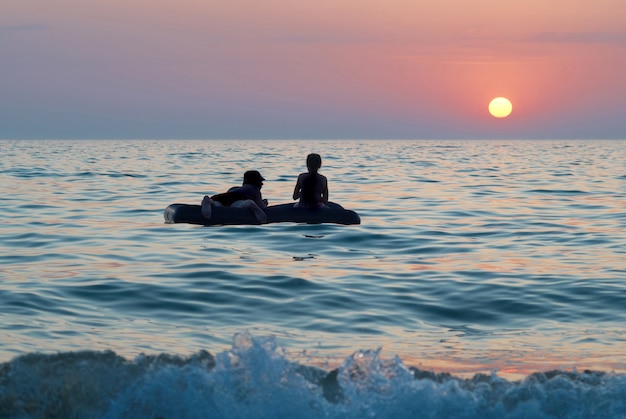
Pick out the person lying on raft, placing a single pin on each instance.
(247, 195)
(311, 187)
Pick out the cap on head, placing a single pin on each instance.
(253, 177)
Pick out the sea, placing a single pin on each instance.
(487, 279)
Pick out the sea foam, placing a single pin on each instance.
(255, 379)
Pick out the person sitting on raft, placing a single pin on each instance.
(248, 195)
(311, 187)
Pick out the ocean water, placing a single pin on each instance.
(487, 279)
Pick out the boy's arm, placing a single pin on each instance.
(260, 201)
(297, 189)
(325, 192)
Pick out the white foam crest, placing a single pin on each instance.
(255, 379)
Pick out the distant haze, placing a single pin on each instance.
(311, 69)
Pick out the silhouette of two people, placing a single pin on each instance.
(311, 191)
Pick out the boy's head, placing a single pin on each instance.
(313, 162)
(253, 177)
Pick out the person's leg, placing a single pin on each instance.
(206, 207)
(252, 206)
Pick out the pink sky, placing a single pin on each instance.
(311, 69)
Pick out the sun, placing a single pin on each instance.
(500, 107)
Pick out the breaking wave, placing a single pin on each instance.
(256, 379)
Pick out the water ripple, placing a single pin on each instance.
(478, 244)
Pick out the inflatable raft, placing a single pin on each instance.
(281, 213)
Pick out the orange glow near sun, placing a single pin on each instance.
(500, 107)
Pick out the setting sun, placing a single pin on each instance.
(500, 107)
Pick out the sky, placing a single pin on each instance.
(423, 69)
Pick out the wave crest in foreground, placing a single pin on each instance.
(255, 379)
